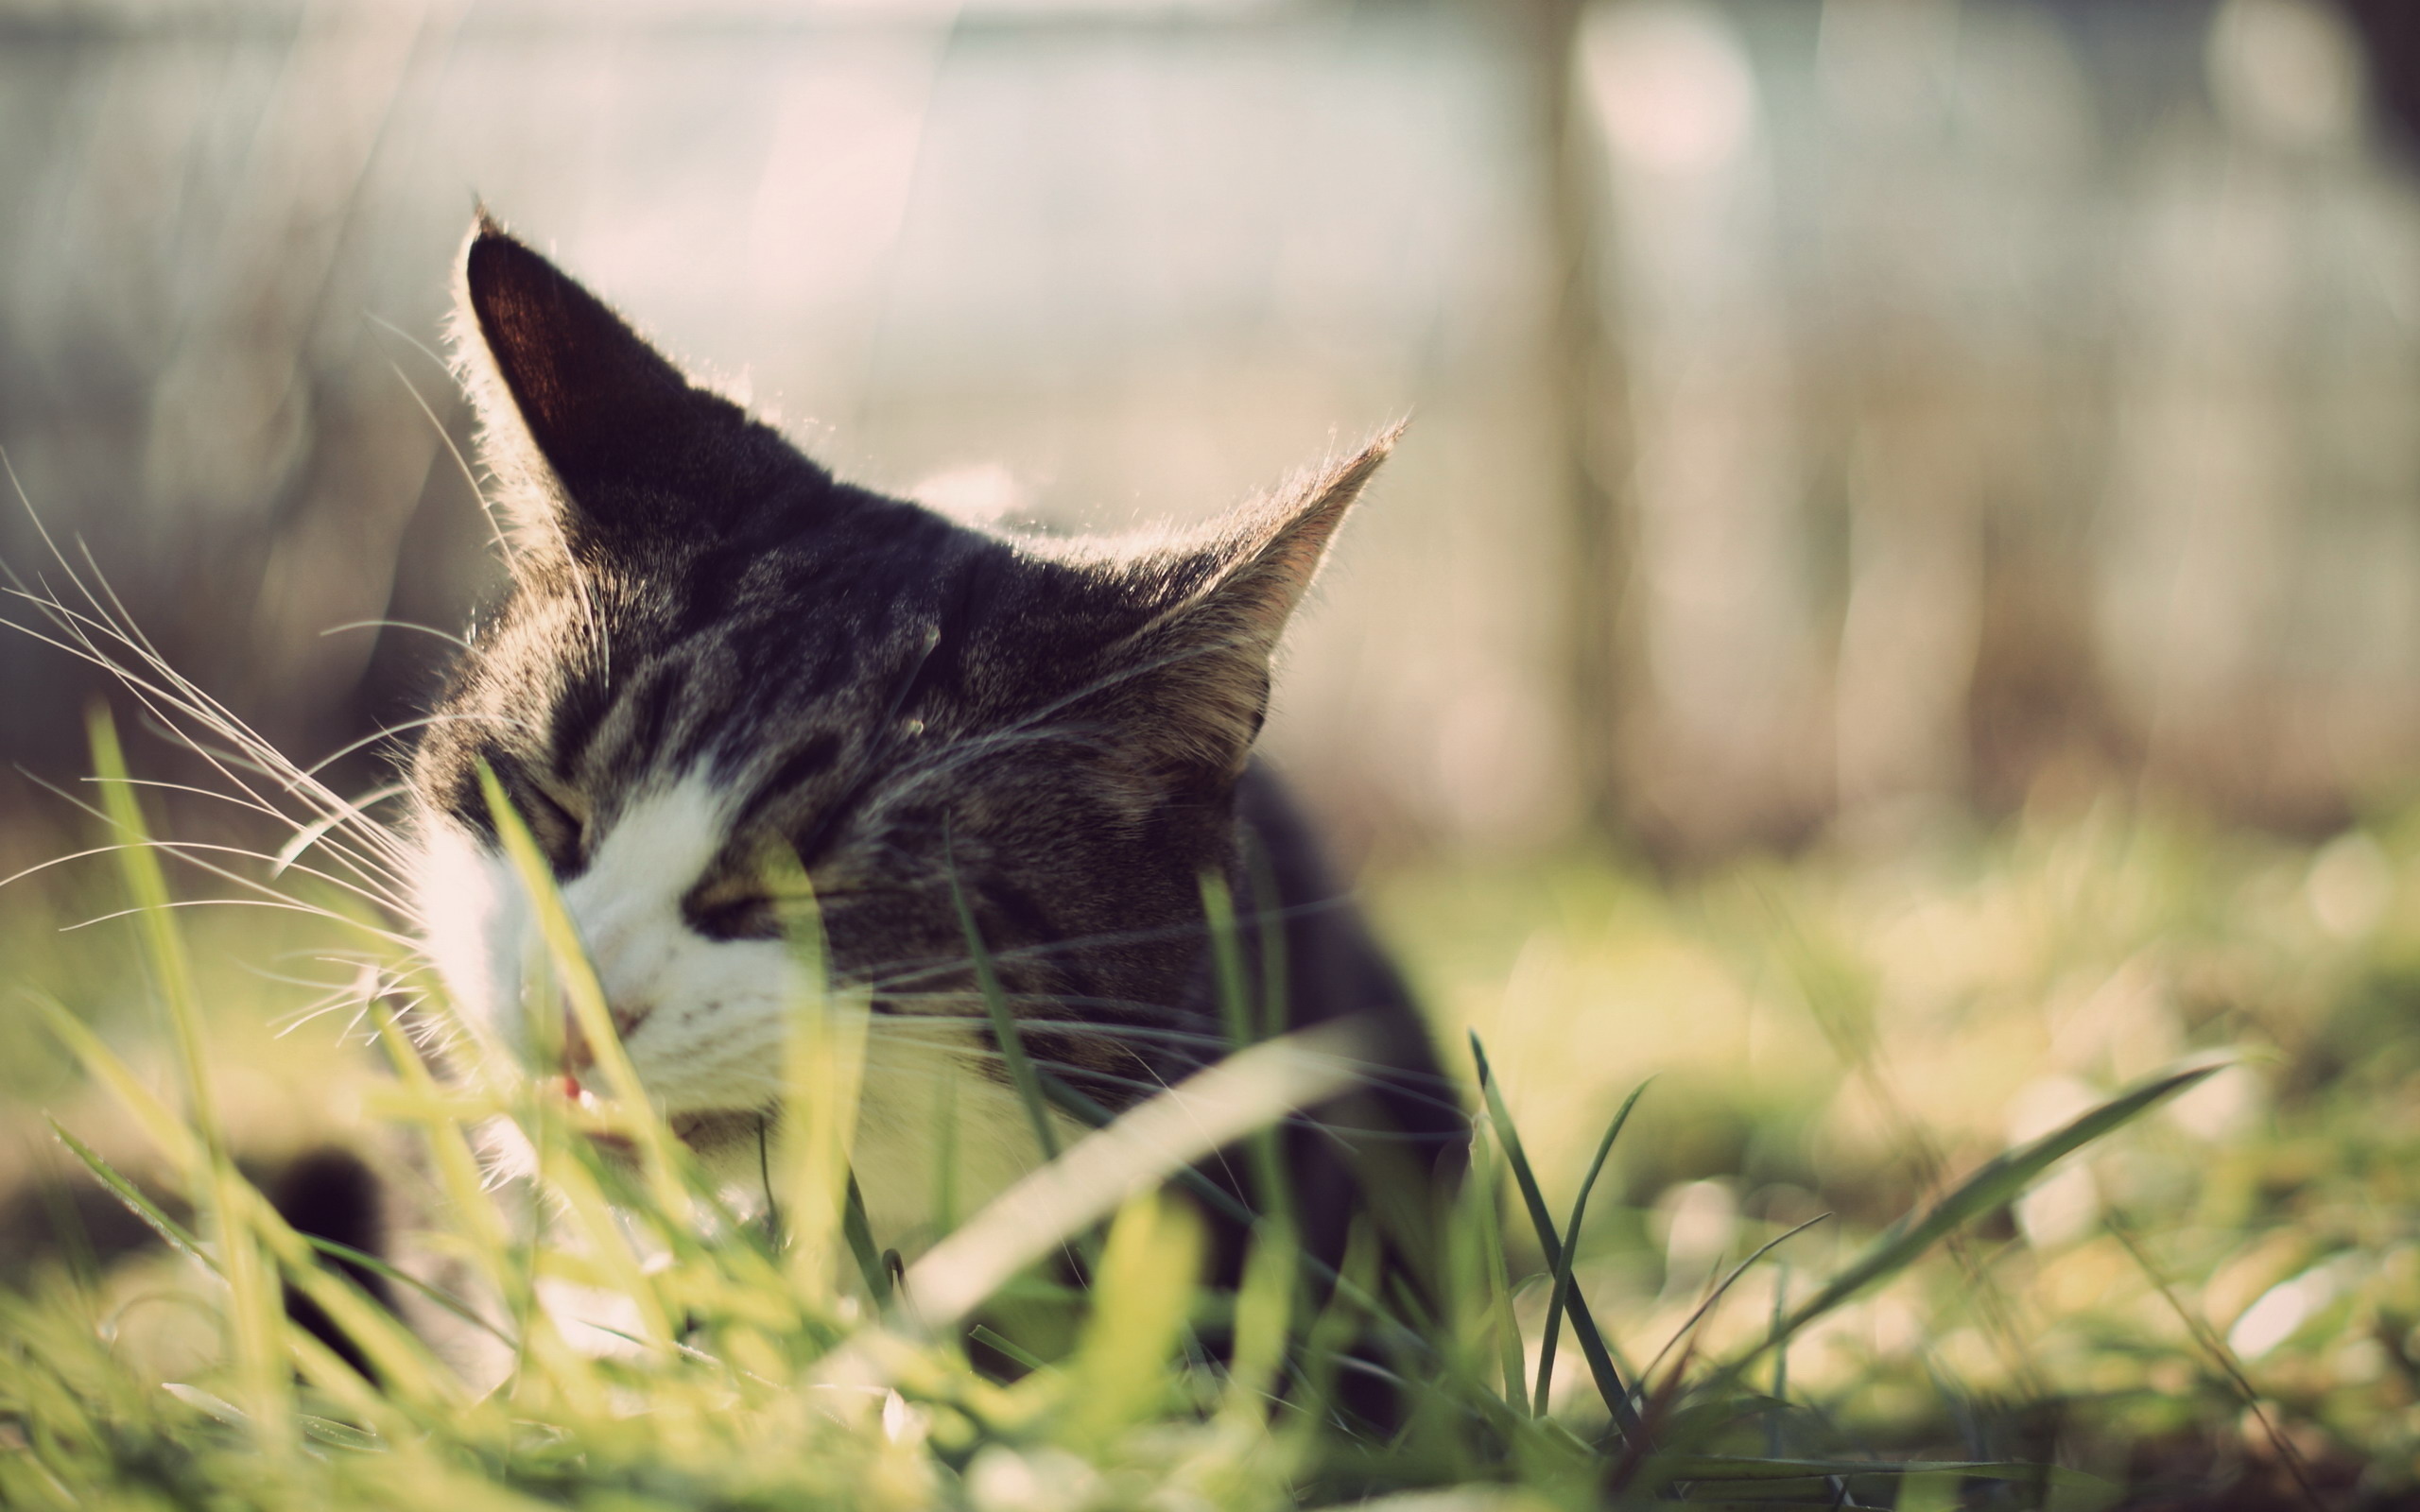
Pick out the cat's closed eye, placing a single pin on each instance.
(738, 905)
(556, 814)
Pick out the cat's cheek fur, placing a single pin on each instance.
(715, 1017)
(703, 1019)
(474, 919)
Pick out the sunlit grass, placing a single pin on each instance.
(1836, 1034)
(1854, 1038)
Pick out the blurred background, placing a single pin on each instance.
(1828, 416)
(1899, 610)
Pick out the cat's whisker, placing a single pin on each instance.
(273, 896)
(240, 800)
(1144, 1087)
(502, 540)
(340, 998)
(447, 636)
(1430, 1088)
(1216, 1044)
(180, 849)
(957, 753)
(230, 902)
(1110, 680)
(389, 732)
(112, 622)
(955, 756)
(1105, 1028)
(375, 884)
(175, 692)
(1043, 951)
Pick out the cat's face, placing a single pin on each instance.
(716, 657)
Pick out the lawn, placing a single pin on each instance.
(2218, 1288)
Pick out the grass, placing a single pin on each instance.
(2041, 1169)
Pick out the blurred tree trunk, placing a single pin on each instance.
(2390, 34)
(1585, 377)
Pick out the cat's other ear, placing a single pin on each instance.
(592, 434)
(1200, 671)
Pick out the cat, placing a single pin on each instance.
(715, 655)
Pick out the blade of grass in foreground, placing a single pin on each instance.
(1485, 1207)
(824, 1059)
(1148, 1144)
(2215, 1348)
(1270, 1184)
(1004, 1023)
(584, 996)
(858, 1231)
(1561, 1297)
(1998, 1181)
(1226, 1204)
(1583, 1323)
(255, 1314)
(1141, 1293)
(174, 1234)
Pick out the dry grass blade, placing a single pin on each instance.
(2208, 1340)
(1102, 1171)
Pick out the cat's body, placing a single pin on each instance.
(717, 657)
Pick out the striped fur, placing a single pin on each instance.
(715, 654)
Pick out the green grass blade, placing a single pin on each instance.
(984, 1335)
(1561, 1297)
(1227, 961)
(387, 1272)
(2215, 1348)
(1263, 1321)
(159, 1123)
(1227, 1204)
(475, 1220)
(1781, 1359)
(859, 1233)
(1004, 1023)
(255, 1316)
(1269, 928)
(163, 945)
(580, 991)
(1584, 1324)
(1142, 1292)
(174, 1234)
(1998, 1181)
(1235, 997)
(1486, 1206)
(1698, 1315)
(399, 1359)
(823, 1064)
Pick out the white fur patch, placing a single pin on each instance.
(704, 1018)
(476, 917)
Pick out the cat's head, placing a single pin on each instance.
(716, 657)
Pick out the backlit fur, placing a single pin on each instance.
(716, 656)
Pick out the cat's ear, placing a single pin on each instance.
(1200, 671)
(590, 432)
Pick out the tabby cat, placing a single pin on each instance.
(716, 656)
